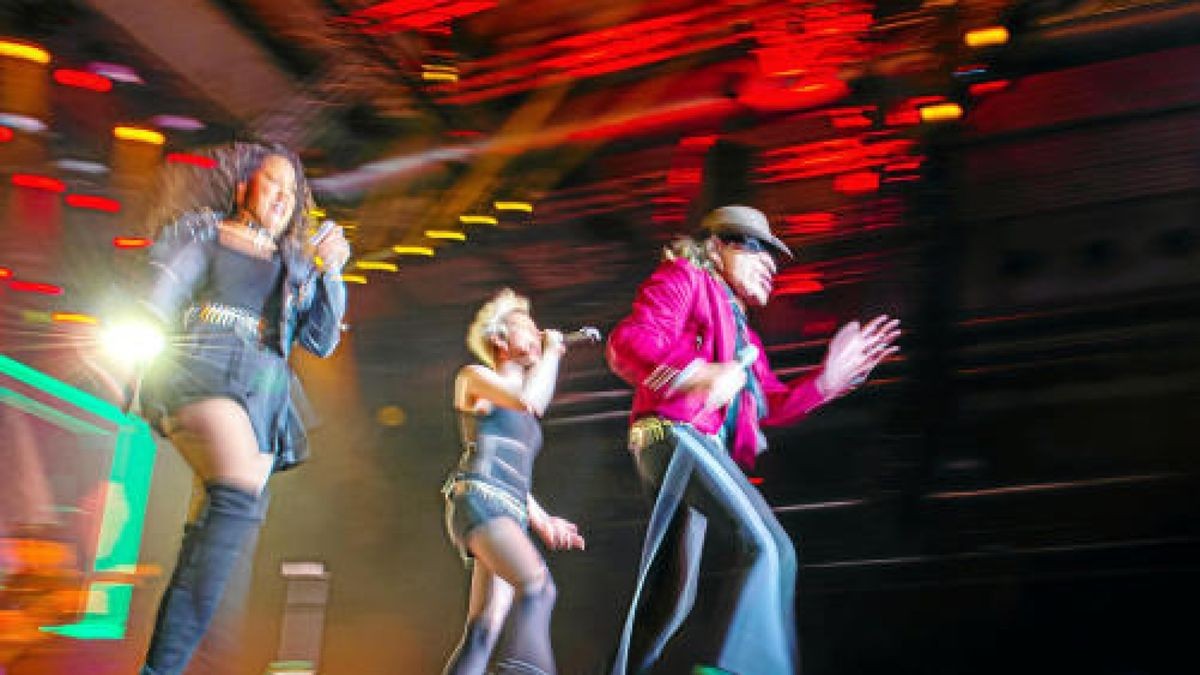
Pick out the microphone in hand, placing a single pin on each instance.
(584, 335)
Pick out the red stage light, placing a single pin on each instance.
(195, 160)
(95, 203)
(36, 182)
(756, 480)
(82, 80)
(5, 273)
(34, 287)
(132, 242)
(982, 88)
(6, 134)
(856, 183)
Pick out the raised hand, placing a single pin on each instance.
(854, 352)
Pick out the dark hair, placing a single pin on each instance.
(183, 188)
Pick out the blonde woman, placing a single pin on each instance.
(489, 505)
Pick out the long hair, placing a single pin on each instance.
(693, 249)
(183, 188)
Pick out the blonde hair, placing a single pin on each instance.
(693, 250)
(489, 322)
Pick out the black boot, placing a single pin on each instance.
(210, 551)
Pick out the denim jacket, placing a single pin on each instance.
(313, 306)
(311, 309)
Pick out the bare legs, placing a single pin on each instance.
(509, 575)
(217, 440)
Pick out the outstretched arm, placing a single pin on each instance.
(853, 353)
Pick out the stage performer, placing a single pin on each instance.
(703, 390)
(234, 281)
(489, 505)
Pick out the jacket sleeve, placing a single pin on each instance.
(649, 347)
(786, 403)
(320, 324)
(178, 265)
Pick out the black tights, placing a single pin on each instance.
(510, 582)
(211, 547)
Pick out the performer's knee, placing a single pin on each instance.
(541, 590)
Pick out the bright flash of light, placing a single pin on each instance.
(132, 342)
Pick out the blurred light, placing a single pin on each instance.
(431, 72)
(940, 112)
(992, 36)
(82, 166)
(6, 134)
(138, 135)
(391, 416)
(856, 183)
(177, 122)
(412, 250)
(354, 278)
(513, 206)
(376, 265)
(195, 160)
(82, 79)
(756, 480)
(132, 342)
(31, 125)
(36, 182)
(94, 202)
(983, 88)
(73, 317)
(5, 273)
(34, 287)
(115, 71)
(317, 212)
(26, 52)
(478, 220)
(35, 316)
(816, 222)
(446, 234)
(132, 242)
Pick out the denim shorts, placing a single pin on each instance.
(471, 503)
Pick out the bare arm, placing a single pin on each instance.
(476, 382)
(558, 533)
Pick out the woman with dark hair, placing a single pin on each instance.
(489, 506)
(234, 281)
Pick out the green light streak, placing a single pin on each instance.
(124, 511)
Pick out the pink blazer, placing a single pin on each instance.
(681, 315)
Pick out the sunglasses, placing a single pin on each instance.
(747, 243)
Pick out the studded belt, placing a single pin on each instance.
(246, 324)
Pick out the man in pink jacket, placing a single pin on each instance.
(702, 391)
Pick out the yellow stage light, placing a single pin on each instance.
(138, 135)
(25, 52)
(941, 112)
(446, 234)
(412, 250)
(478, 220)
(992, 36)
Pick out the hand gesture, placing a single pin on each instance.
(558, 533)
(717, 382)
(854, 352)
(333, 249)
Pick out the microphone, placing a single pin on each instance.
(326, 225)
(586, 334)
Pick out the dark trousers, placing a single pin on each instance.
(696, 482)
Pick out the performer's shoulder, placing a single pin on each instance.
(201, 225)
